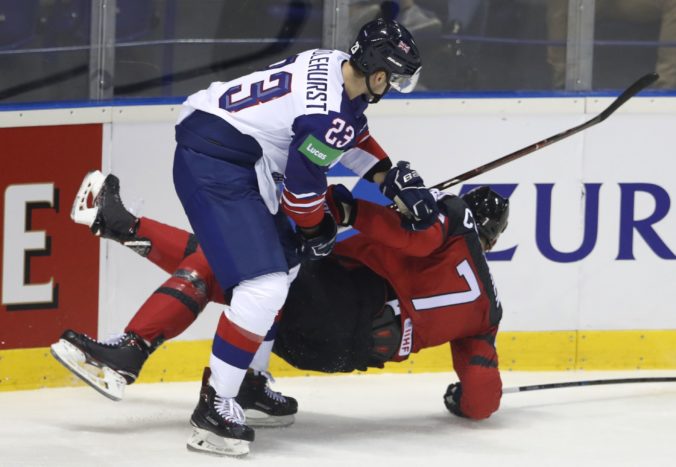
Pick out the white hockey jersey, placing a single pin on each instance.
(299, 113)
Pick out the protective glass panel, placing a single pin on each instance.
(44, 50)
(175, 47)
(634, 37)
(171, 48)
(163, 48)
(477, 45)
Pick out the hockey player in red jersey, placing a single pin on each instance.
(438, 290)
(382, 295)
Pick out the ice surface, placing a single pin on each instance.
(355, 420)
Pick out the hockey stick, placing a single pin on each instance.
(593, 382)
(628, 93)
(638, 86)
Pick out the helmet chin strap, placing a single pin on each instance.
(375, 97)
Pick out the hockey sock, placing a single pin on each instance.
(176, 303)
(261, 360)
(169, 245)
(231, 354)
(242, 328)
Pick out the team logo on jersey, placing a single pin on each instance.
(406, 345)
(318, 152)
(404, 47)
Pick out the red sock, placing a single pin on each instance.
(169, 244)
(177, 303)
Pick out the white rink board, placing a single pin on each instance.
(597, 292)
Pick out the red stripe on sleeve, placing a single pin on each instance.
(369, 144)
(306, 212)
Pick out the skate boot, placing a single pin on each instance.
(262, 406)
(218, 424)
(106, 366)
(107, 217)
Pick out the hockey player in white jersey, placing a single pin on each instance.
(235, 140)
(291, 121)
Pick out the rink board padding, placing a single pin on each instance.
(518, 351)
(586, 264)
(50, 266)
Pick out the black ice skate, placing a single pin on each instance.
(107, 367)
(262, 406)
(107, 217)
(218, 424)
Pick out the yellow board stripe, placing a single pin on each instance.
(518, 351)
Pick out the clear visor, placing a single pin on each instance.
(405, 83)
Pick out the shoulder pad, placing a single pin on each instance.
(460, 219)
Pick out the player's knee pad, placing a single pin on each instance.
(255, 302)
(188, 284)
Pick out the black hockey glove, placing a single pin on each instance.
(415, 202)
(409, 223)
(319, 243)
(452, 399)
(340, 202)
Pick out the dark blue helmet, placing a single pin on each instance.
(387, 46)
(490, 211)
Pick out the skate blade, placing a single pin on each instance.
(103, 379)
(91, 184)
(205, 441)
(258, 419)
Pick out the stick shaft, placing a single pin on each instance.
(594, 382)
(627, 94)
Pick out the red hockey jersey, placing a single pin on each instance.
(439, 275)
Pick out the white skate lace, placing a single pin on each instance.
(229, 409)
(277, 396)
(117, 339)
(113, 340)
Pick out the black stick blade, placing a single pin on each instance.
(640, 84)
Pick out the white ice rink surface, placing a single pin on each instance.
(355, 420)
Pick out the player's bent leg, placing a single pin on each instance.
(240, 331)
(106, 366)
(242, 243)
(176, 304)
(169, 246)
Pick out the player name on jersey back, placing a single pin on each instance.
(317, 80)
